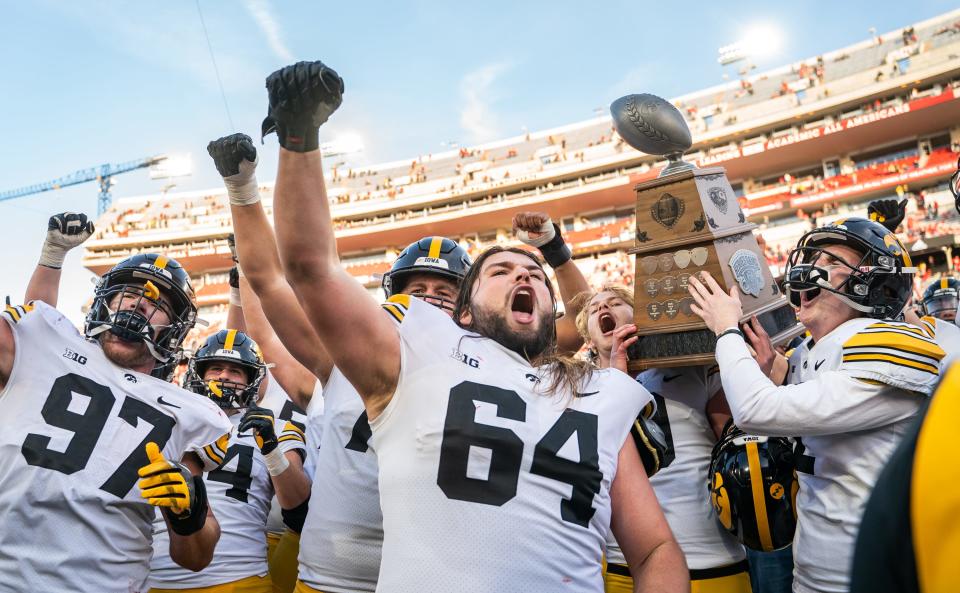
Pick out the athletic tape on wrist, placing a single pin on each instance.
(235, 297)
(276, 461)
(241, 189)
(545, 233)
(52, 256)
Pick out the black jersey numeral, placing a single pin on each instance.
(132, 411)
(360, 435)
(462, 432)
(87, 426)
(240, 479)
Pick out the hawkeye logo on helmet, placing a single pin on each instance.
(435, 262)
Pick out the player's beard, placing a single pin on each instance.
(128, 355)
(529, 344)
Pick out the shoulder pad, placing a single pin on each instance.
(892, 347)
(16, 313)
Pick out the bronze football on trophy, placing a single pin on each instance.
(688, 221)
(652, 125)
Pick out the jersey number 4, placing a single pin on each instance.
(86, 427)
(461, 433)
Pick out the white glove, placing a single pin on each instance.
(64, 232)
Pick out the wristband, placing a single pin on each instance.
(235, 297)
(555, 251)
(276, 461)
(193, 521)
(732, 330)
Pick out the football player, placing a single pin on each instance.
(691, 411)
(939, 306)
(343, 537)
(264, 455)
(941, 297)
(939, 309)
(865, 378)
(88, 414)
(466, 423)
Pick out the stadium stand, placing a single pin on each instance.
(801, 143)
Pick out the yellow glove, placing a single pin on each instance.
(166, 484)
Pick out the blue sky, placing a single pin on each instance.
(87, 83)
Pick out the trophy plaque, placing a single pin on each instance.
(688, 220)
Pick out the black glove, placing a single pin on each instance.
(651, 444)
(232, 244)
(234, 277)
(261, 421)
(889, 212)
(230, 151)
(64, 232)
(302, 97)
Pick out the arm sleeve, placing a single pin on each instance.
(834, 402)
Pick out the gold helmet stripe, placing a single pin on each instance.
(435, 244)
(943, 283)
(759, 497)
(228, 341)
(161, 261)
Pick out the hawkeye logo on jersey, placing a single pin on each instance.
(74, 356)
(465, 358)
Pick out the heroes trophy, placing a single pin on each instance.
(688, 220)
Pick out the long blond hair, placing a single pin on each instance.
(582, 302)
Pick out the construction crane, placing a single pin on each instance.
(102, 175)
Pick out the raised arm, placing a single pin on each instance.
(295, 378)
(537, 230)
(274, 317)
(302, 97)
(235, 316)
(64, 232)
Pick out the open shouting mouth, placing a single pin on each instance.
(607, 323)
(521, 305)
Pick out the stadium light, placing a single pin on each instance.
(760, 40)
(174, 165)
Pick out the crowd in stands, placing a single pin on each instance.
(487, 174)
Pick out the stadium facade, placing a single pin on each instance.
(814, 139)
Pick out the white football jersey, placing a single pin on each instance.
(947, 335)
(72, 437)
(681, 487)
(239, 491)
(853, 395)
(486, 482)
(342, 536)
